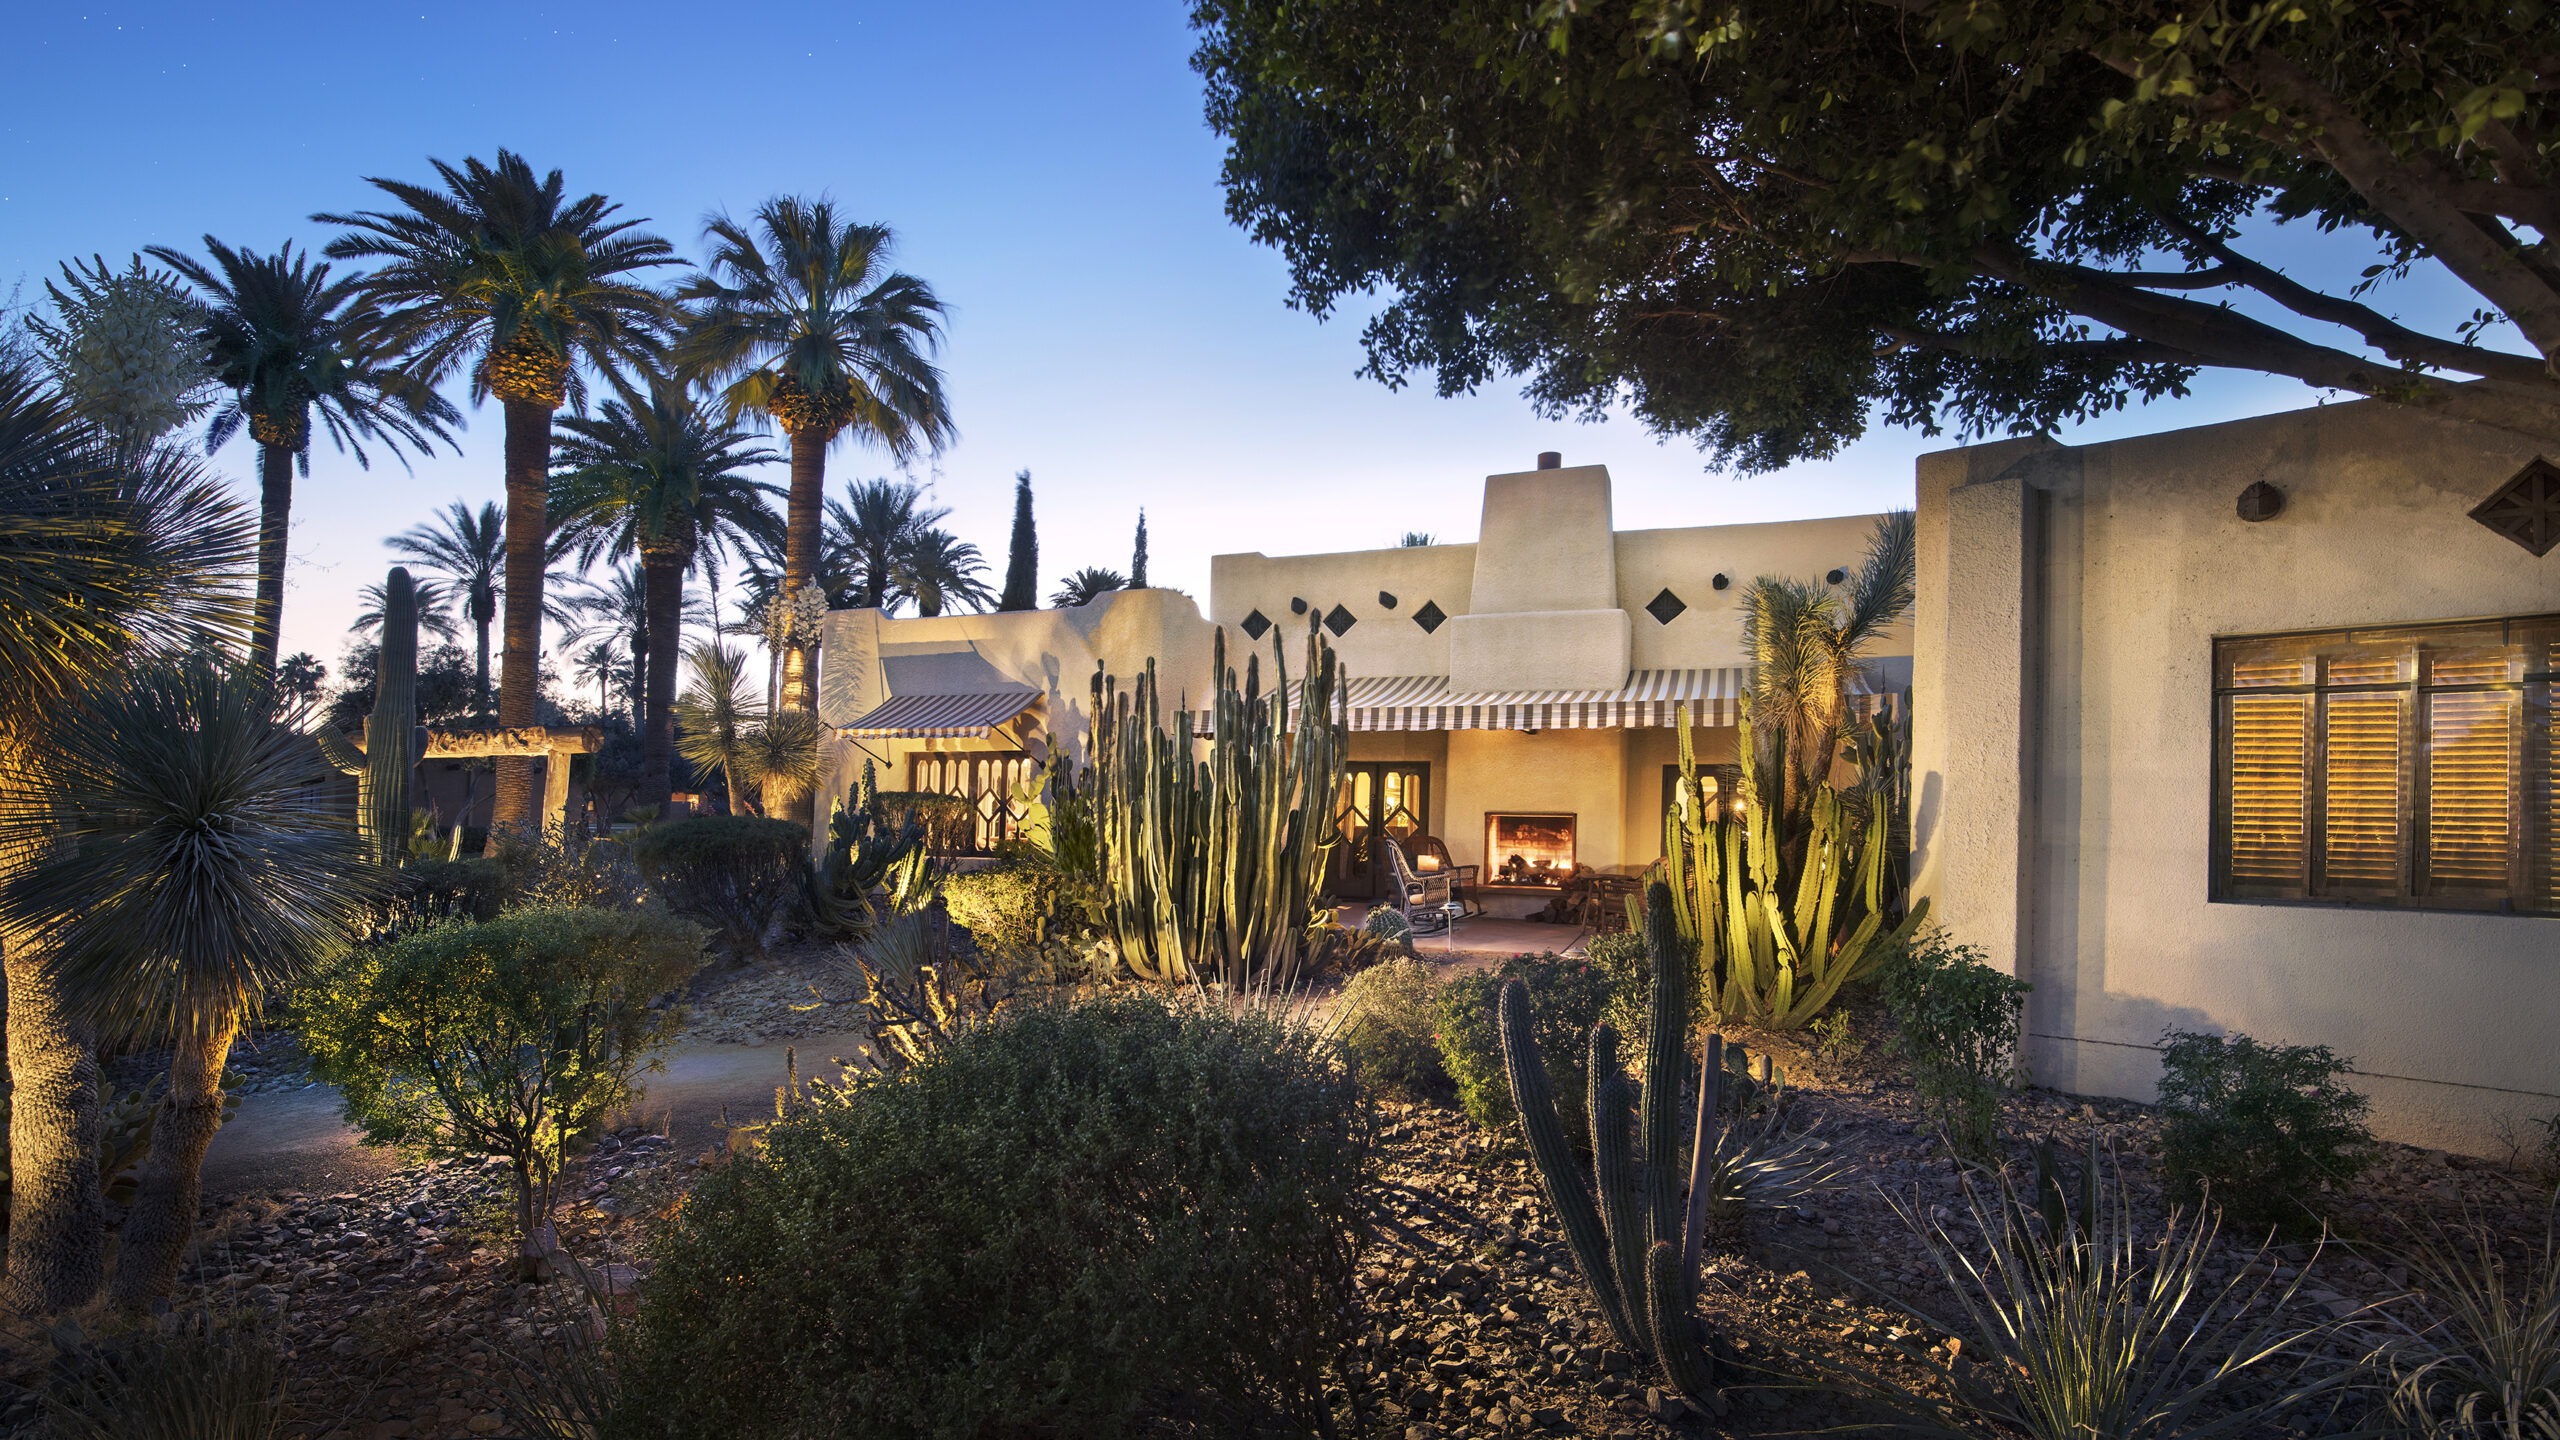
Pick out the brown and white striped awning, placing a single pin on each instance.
(941, 717)
(1650, 699)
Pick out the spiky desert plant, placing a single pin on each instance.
(2475, 1353)
(196, 1375)
(122, 348)
(715, 714)
(782, 758)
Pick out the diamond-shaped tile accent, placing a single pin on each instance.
(1387, 599)
(1339, 620)
(2527, 508)
(1665, 607)
(1256, 623)
(1429, 616)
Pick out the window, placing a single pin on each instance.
(2417, 766)
(992, 781)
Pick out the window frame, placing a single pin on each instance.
(2531, 888)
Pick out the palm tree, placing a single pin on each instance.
(717, 711)
(191, 875)
(435, 606)
(943, 573)
(618, 606)
(501, 274)
(1086, 586)
(469, 549)
(1804, 643)
(872, 532)
(663, 478)
(99, 560)
(289, 344)
(600, 665)
(808, 327)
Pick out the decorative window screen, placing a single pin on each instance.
(2415, 766)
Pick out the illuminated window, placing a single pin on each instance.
(2413, 766)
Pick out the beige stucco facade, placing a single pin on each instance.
(2069, 600)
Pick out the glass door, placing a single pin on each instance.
(1389, 798)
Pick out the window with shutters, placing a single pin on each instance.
(2412, 766)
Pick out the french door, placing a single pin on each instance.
(1389, 798)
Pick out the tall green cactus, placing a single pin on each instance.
(1638, 1246)
(388, 751)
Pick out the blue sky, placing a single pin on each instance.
(1046, 168)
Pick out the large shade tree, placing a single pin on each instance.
(1763, 222)
(500, 275)
(467, 549)
(798, 314)
(663, 478)
(102, 559)
(292, 345)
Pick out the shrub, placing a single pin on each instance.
(191, 1376)
(571, 872)
(1956, 1023)
(736, 874)
(2258, 1129)
(1622, 956)
(1566, 998)
(1385, 1023)
(503, 1038)
(2481, 1357)
(1047, 1225)
(1020, 908)
(429, 892)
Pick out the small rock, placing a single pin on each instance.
(484, 1423)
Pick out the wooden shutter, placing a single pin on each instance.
(2269, 844)
(2361, 797)
(2471, 790)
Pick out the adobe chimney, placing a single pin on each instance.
(1550, 459)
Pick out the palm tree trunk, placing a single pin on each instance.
(663, 572)
(58, 1220)
(520, 661)
(481, 617)
(275, 513)
(171, 1185)
(800, 567)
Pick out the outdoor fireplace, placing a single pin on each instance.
(1528, 849)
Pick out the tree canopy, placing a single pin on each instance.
(1763, 222)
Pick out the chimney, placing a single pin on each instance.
(1550, 460)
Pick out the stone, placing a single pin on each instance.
(485, 1423)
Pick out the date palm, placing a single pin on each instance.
(468, 549)
(662, 478)
(191, 872)
(435, 610)
(1086, 586)
(100, 560)
(873, 533)
(944, 573)
(799, 315)
(600, 664)
(501, 275)
(293, 346)
(1805, 643)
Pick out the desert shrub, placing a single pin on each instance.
(568, 872)
(430, 892)
(2260, 1130)
(503, 1038)
(1022, 908)
(1956, 1023)
(1042, 1228)
(1623, 957)
(2476, 1351)
(1384, 1021)
(1566, 998)
(736, 874)
(195, 1375)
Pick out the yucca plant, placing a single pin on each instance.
(2094, 1329)
(2480, 1359)
(197, 1375)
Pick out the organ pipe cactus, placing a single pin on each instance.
(1638, 1246)
(389, 749)
(1211, 863)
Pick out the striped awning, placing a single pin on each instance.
(1649, 699)
(941, 717)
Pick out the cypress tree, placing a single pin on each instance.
(1138, 559)
(1022, 566)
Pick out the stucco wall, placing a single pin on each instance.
(1686, 562)
(2069, 600)
(1580, 772)
(1385, 641)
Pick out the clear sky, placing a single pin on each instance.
(1045, 166)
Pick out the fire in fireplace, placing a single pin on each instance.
(1528, 849)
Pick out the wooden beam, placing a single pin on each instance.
(530, 741)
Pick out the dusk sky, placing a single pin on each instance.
(1046, 169)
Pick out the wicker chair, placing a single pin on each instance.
(1423, 900)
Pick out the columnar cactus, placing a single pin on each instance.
(1638, 1246)
(382, 766)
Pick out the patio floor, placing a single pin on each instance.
(1482, 941)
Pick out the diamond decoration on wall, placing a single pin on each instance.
(2527, 508)
(1665, 607)
(1256, 623)
(1338, 620)
(1429, 616)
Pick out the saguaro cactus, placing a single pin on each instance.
(382, 765)
(1638, 1247)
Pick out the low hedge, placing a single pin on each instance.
(1567, 996)
(738, 875)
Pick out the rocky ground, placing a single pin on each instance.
(805, 988)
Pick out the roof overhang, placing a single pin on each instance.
(974, 715)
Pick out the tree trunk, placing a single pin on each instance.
(275, 513)
(482, 674)
(663, 571)
(520, 659)
(171, 1185)
(800, 567)
(58, 1220)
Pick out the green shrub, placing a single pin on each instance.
(736, 874)
(1566, 998)
(572, 872)
(2257, 1129)
(503, 1038)
(1385, 1021)
(1956, 1023)
(1021, 906)
(1622, 956)
(429, 892)
(1040, 1229)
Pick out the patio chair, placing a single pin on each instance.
(1462, 878)
(1423, 900)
